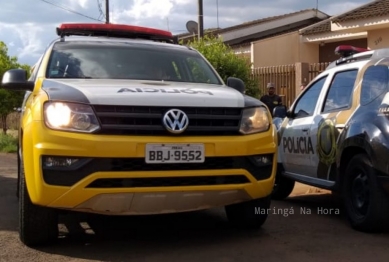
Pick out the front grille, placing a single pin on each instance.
(86, 166)
(147, 120)
(138, 164)
(168, 181)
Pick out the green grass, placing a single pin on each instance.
(8, 143)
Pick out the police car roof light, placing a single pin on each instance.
(348, 50)
(113, 30)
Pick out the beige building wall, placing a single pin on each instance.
(289, 48)
(284, 50)
(279, 50)
(309, 53)
(378, 38)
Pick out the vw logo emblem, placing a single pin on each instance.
(175, 121)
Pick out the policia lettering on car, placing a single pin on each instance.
(298, 145)
(171, 91)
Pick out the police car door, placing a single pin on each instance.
(296, 147)
(335, 109)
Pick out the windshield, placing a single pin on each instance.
(107, 60)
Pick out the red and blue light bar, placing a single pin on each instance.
(348, 50)
(114, 30)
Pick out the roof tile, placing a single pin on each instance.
(320, 27)
(254, 22)
(376, 8)
(263, 20)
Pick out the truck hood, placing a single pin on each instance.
(140, 93)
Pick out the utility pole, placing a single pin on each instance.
(201, 20)
(107, 11)
(217, 13)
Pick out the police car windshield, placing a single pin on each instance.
(107, 60)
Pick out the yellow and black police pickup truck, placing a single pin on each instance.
(122, 120)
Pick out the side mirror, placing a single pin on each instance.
(16, 79)
(236, 83)
(279, 111)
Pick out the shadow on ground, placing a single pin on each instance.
(8, 204)
(320, 204)
(98, 237)
(191, 236)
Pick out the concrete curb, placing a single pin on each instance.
(301, 189)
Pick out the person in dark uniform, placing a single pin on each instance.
(271, 99)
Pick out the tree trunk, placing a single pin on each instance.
(4, 123)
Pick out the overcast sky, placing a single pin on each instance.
(27, 26)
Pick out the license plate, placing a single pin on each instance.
(174, 153)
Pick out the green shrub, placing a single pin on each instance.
(226, 62)
(8, 143)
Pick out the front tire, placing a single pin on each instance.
(283, 186)
(366, 203)
(248, 215)
(37, 225)
(18, 178)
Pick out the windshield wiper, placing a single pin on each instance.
(72, 77)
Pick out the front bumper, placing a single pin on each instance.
(111, 177)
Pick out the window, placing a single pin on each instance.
(199, 70)
(339, 95)
(128, 61)
(375, 82)
(34, 69)
(306, 104)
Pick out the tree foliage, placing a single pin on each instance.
(9, 99)
(226, 62)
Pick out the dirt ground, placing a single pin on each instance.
(308, 233)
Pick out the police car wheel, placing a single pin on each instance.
(248, 215)
(366, 204)
(283, 186)
(37, 225)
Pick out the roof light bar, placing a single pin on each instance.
(114, 30)
(348, 50)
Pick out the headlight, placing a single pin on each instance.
(70, 117)
(254, 120)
